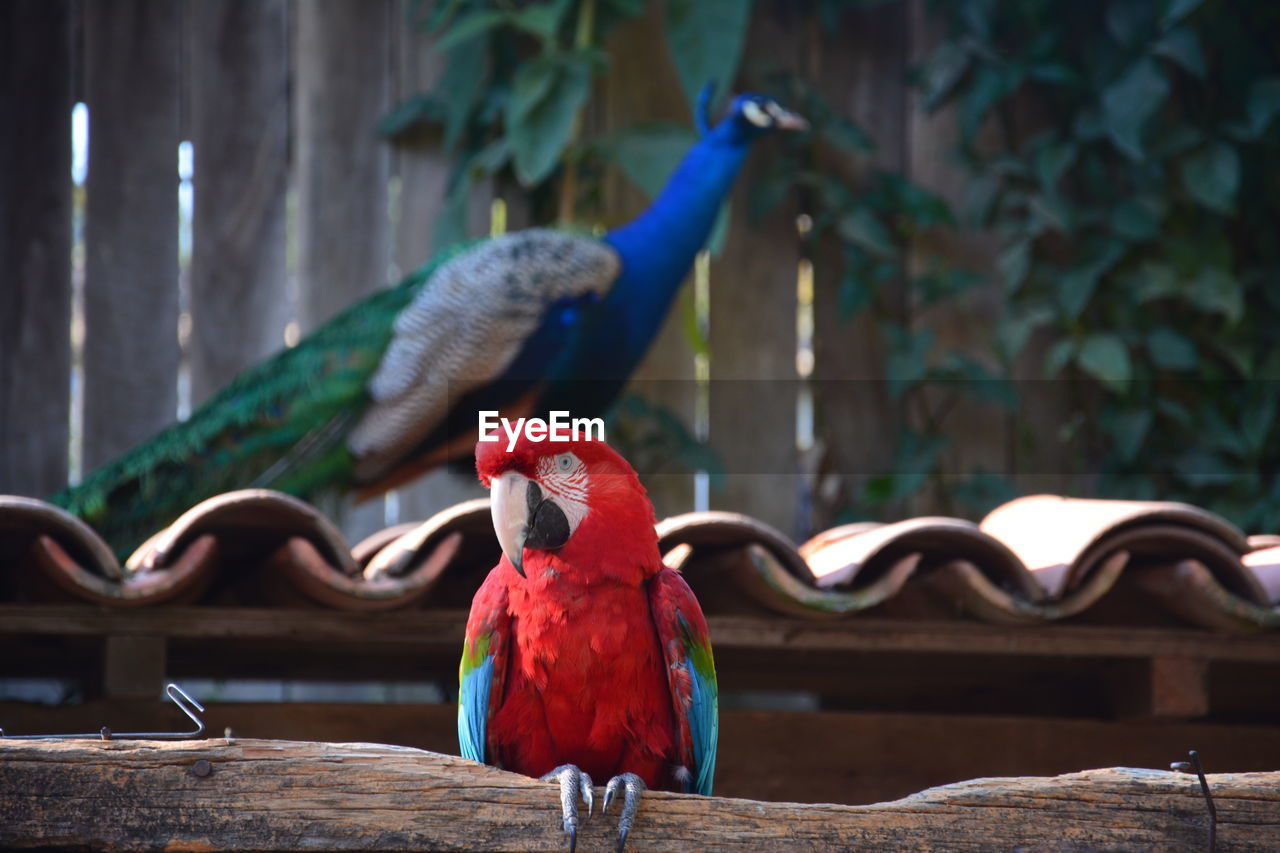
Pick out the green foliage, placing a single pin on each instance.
(518, 75)
(1128, 157)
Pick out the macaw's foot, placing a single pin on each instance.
(632, 787)
(573, 784)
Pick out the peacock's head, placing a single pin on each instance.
(751, 116)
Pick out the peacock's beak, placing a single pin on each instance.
(523, 517)
(787, 120)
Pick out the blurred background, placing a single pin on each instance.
(1025, 247)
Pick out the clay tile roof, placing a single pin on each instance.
(1034, 560)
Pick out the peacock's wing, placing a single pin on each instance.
(355, 396)
(691, 675)
(482, 671)
(464, 329)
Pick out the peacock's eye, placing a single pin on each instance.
(564, 463)
(755, 114)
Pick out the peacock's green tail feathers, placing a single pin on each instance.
(281, 424)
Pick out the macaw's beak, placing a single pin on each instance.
(524, 518)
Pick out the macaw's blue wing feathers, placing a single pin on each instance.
(691, 673)
(482, 671)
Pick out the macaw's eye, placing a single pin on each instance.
(565, 462)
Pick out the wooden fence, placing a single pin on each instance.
(300, 209)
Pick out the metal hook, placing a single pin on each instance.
(1187, 767)
(176, 695)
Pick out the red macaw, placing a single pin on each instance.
(584, 655)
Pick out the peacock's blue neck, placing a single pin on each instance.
(658, 247)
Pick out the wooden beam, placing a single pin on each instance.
(290, 795)
(442, 629)
(133, 666)
(784, 756)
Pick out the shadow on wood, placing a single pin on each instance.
(283, 795)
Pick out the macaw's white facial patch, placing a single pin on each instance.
(563, 478)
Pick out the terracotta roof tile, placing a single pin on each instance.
(1035, 560)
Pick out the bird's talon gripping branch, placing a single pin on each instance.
(632, 787)
(573, 784)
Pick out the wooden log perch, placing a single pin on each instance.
(294, 795)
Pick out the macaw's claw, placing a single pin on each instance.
(632, 787)
(573, 784)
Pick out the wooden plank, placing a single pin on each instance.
(862, 73)
(642, 86)
(133, 666)
(784, 756)
(257, 794)
(342, 87)
(131, 224)
(433, 628)
(423, 169)
(35, 245)
(982, 435)
(1164, 686)
(753, 327)
(240, 133)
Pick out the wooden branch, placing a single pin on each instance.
(293, 795)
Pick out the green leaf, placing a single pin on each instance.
(647, 154)
(1058, 357)
(1156, 281)
(1130, 101)
(1171, 350)
(541, 20)
(459, 87)
(1176, 10)
(855, 293)
(1076, 287)
(466, 28)
(546, 95)
(1129, 429)
(1212, 176)
(409, 113)
(941, 72)
(1258, 420)
(451, 225)
(705, 38)
(1053, 160)
(1014, 263)
(1182, 46)
(1105, 357)
(990, 85)
(1134, 221)
(1015, 330)
(1264, 103)
(1215, 290)
(908, 358)
(845, 133)
(862, 227)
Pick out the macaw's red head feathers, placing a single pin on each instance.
(572, 507)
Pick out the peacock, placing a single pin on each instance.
(523, 323)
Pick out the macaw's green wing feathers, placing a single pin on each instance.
(483, 669)
(691, 673)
